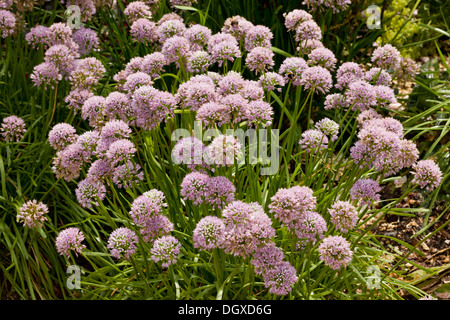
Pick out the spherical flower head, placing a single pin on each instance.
(146, 206)
(335, 252)
(252, 90)
(136, 80)
(155, 227)
(308, 45)
(223, 151)
(189, 151)
(122, 243)
(292, 68)
(90, 192)
(59, 33)
(290, 204)
(386, 57)
(128, 174)
(67, 163)
(175, 48)
(260, 59)
(68, 240)
(46, 74)
(407, 71)
(198, 36)
(86, 39)
(347, 73)
(225, 51)
(32, 214)
(280, 279)
(322, 57)
(230, 83)
(247, 227)
(384, 96)
(198, 61)
(266, 258)
(99, 171)
(219, 191)
(366, 115)
(61, 135)
(308, 30)
(120, 151)
(313, 141)
(271, 81)
(118, 106)
(93, 111)
(387, 123)
(153, 64)
(365, 190)
(195, 92)
(213, 114)
(165, 249)
(317, 79)
(329, 127)
(427, 174)
(335, 100)
(170, 28)
(258, 36)
(137, 10)
(143, 31)
(209, 233)
(37, 36)
(62, 56)
(361, 95)
(218, 38)
(77, 97)
(87, 72)
(294, 18)
(193, 187)
(343, 215)
(237, 26)
(7, 23)
(310, 226)
(13, 128)
(378, 76)
(236, 105)
(258, 112)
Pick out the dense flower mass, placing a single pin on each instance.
(427, 174)
(335, 252)
(70, 239)
(32, 214)
(122, 243)
(165, 249)
(13, 129)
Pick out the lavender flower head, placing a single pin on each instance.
(347, 73)
(313, 141)
(143, 31)
(386, 57)
(258, 36)
(427, 174)
(281, 279)
(335, 252)
(189, 151)
(365, 190)
(343, 215)
(87, 40)
(294, 18)
(260, 59)
(329, 127)
(317, 79)
(271, 81)
(209, 233)
(193, 187)
(61, 135)
(13, 128)
(32, 214)
(122, 243)
(309, 227)
(165, 249)
(322, 57)
(223, 151)
(7, 23)
(292, 69)
(68, 240)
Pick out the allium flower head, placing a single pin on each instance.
(310, 227)
(335, 252)
(147, 206)
(237, 26)
(198, 61)
(258, 36)
(136, 80)
(189, 151)
(93, 111)
(361, 95)
(87, 40)
(290, 204)
(219, 37)
(122, 243)
(219, 191)
(175, 48)
(258, 112)
(193, 94)
(335, 100)
(213, 114)
(137, 10)
(61, 135)
(230, 83)
(7, 23)
(153, 64)
(209, 233)
(378, 76)
(294, 18)
(386, 57)
(308, 30)
(335, 5)
(322, 57)
(260, 59)
(60, 33)
(308, 45)
(170, 28)
(225, 51)
(313, 141)
(329, 127)
(198, 35)
(365, 190)
(127, 174)
(143, 31)
(343, 215)
(88, 142)
(68, 240)
(32, 214)
(266, 258)
(46, 73)
(252, 90)
(186, 3)
(347, 73)
(87, 73)
(165, 249)
(37, 36)
(13, 128)
(90, 192)
(67, 163)
(247, 227)
(271, 81)
(193, 187)
(292, 69)
(427, 174)
(77, 97)
(384, 95)
(281, 279)
(317, 79)
(155, 227)
(118, 106)
(224, 150)
(99, 171)
(120, 151)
